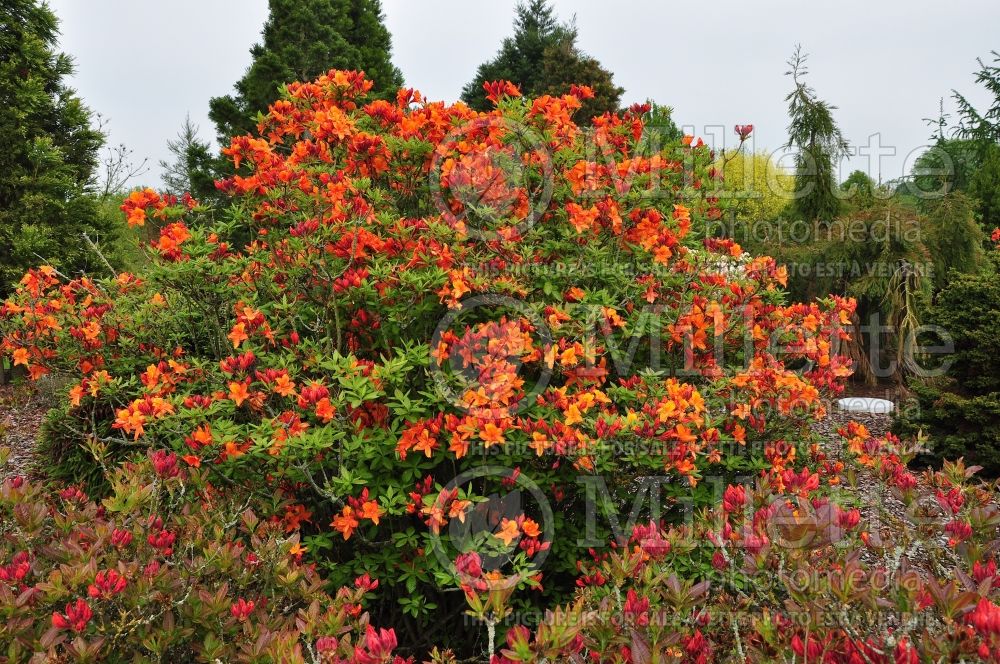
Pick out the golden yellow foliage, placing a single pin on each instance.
(758, 187)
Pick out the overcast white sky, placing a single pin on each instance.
(144, 64)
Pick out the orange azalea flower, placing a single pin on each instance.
(238, 334)
(568, 357)
(666, 410)
(662, 254)
(540, 443)
(21, 357)
(497, 89)
(491, 435)
(345, 522)
(550, 356)
(294, 516)
(370, 510)
(136, 203)
(531, 528)
(91, 331)
(202, 436)
(582, 219)
(238, 392)
(573, 415)
(508, 531)
(192, 460)
(131, 421)
(426, 443)
(459, 446)
(612, 317)
(324, 410)
(583, 176)
(136, 217)
(458, 509)
(76, 395)
(781, 276)
(460, 280)
(232, 450)
(284, 386)
(683, 434)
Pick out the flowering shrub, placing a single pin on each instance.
(167, 567)
(412, 309)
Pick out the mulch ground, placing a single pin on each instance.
(22, 408)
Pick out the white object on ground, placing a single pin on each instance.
(866, 405)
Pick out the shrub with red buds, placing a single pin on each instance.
(75, 618)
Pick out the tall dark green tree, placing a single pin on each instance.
(48, 151)
(542, 57)
(982, 127)
(985, 188)
(947, 166)
(301, 40)
(982, 130)
(820, 144)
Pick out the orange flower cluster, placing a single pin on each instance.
(356, 510)
(138, 204)
(133, 419)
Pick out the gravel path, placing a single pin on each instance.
(21, 411)
(882, 513)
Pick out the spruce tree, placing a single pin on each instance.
(982, 130)
(301, 40)
(542, 57)
(814, 132)
(188, 172)
(48, 151)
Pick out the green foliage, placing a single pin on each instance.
(891, 256)
(959, 426)
(660, 127)
(66, 460)
(969, 309)
(301, 40)
(985, 187)
(980, 130)
(953, 236)
(961, 410)
(48, 151)
(859, 190)
(814, 132)
(542, 58)
(947, 166)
